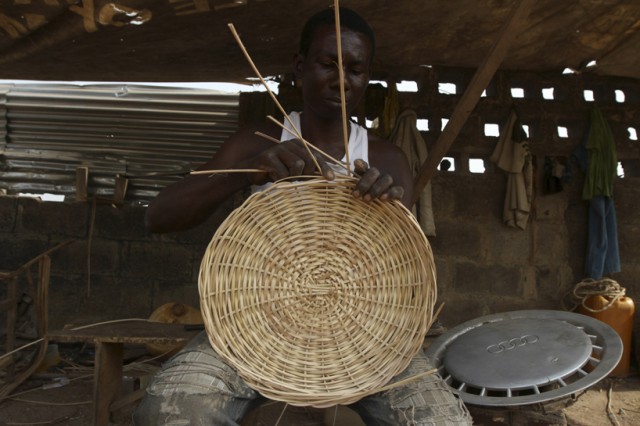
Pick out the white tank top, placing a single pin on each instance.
(358, 144)
(358, 139)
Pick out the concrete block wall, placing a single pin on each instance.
(483, 266)
(113, 268)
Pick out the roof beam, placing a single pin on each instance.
(472, 94)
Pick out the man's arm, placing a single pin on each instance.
(190, 201)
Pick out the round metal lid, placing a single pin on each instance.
(517, 354)
(525, 357)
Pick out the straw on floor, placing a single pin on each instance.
(315, 297)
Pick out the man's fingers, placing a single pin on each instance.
(360, 166)
(394, 193)
(326, 170)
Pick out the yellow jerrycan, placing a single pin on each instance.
(618, 316)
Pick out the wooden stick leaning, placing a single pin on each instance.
(343, 102)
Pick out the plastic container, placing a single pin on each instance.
(173, 313)
(619, 317)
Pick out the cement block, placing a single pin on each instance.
(51, 218)
(169, 261)
(109, 299)
(551, 207)
(18, 250)
(124, 222)
(457, 238)
(8, 213)
(103, 255)
(494, 279)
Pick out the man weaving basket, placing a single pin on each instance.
(197, 386)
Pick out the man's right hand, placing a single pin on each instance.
(287, 159)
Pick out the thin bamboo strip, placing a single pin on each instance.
(267, 137)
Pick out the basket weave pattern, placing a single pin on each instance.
(315, 297)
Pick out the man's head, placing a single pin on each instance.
(316, 65)
(348, 19)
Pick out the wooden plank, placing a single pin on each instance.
(126, 331)
(470, 97)
(107, 383)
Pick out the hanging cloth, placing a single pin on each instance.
(602, 255)
(407, 136)
(512, 155)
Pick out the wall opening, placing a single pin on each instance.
(407, 86)
(447, 164)
(422, 124)
(517, 92)
(447, 88)
(588, 95)
(58, 198)
(476, 165)
(547, 93)
(563, 132)
(491, 129)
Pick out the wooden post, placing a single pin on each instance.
(82, 178)
(470, 98)
(120, 189)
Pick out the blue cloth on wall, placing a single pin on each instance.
(602, 246)
(597, 158)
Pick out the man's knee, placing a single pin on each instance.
(428, 402)
(195, 387)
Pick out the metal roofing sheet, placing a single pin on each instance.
(150, 135)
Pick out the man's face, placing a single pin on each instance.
(318, 71)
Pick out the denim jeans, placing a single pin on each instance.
(196, 387)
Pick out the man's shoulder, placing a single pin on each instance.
(383, 152)
(381, 145)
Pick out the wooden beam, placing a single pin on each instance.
(470, 98)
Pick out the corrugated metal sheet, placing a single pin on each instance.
(151, 135)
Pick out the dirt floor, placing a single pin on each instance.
(62, 395)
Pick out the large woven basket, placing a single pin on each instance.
(315, 297)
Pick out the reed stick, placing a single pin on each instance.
(267, 137)
(343, 102)
(220, 171)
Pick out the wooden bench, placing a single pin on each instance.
(109, 339)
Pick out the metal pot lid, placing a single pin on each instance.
(525, 357)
